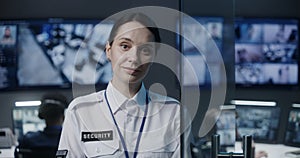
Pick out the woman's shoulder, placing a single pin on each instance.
(86, 100)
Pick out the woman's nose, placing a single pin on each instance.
(133, 55)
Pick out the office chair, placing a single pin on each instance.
(247, 148)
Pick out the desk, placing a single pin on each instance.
(7, 153)
(273, 150)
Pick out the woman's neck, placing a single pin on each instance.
(127, 89)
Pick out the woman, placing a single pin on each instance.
(125, 120)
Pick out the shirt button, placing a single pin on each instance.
(129, 119)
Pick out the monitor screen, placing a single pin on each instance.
(8, 55)
(208, 33)
(262, 122)
(266, 52)
(225, 127)
(55, 52)
(292, 133)
(26, 119)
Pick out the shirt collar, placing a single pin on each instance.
(116, 99)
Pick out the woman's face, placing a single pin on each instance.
(131, 53)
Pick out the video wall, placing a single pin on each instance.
(266, 52)
(59, 52)
(208, 33)
(53, 52)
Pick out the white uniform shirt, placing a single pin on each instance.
(89, 130)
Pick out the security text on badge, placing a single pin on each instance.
(97, 136)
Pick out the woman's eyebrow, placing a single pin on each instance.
(131, 41)
(126, 39)
(147, 45)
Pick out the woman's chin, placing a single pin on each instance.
(134, 80)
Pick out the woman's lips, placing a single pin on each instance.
(131, 71)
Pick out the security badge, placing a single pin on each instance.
(97, 136)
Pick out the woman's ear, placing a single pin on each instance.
(108, 50)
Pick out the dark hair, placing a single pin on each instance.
(52, 107)
(140, 18)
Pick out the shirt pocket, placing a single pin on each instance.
(163, 152)
(102, 149)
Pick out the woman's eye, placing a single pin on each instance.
(146, 50)
(125, 47)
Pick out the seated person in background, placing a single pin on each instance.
(52, 111)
